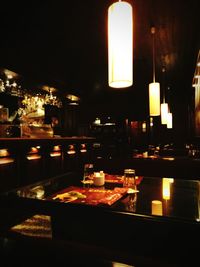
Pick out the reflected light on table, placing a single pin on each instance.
(166, 187)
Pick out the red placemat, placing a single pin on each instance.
(110, 178)
(118, 179)
(91, 196)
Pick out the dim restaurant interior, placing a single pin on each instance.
(100, 133)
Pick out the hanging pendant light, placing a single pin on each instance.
(164, 113)
(120, 45)
(169, 120)
(164, 105)
(154, 87)
(169, 115)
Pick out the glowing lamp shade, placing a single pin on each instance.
(169, 121)
(164, 113)
(154, 99)
(120, 45)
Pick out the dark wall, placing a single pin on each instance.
(10, 102)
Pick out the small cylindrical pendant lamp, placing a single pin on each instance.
(120, 45)
(154, 87)
(154, 99)
(164, 113)
(169, 121)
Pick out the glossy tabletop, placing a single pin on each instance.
(162, 221)
(163, 198)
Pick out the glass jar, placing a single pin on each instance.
(130, 183)
(129, 178)
(88, 171)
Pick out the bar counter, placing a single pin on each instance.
(167, 235)
(27, 160)
(26, 140)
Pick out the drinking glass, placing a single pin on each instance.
(88, 172)
(130, 183)
(129, 178)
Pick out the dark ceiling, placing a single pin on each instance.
(64, 44)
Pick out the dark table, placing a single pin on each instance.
(179, 167)
(127, 230)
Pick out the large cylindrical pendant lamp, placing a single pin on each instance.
(120, 45)
(154, 99)
(164, 113)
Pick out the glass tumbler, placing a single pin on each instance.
(130, 183)
(129, 178)
(88, 171)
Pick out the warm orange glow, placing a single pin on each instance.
(4, 152)
(156, 207)
(55, 154)
(34, 150)
(83, 148)
(169, 158)
(120, 45)
(71, 150)
(144, 127)
(56, 148)
(154, 99)
(33, 157)
(6, 160)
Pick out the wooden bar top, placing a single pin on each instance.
(25, 140)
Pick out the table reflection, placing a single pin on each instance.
(179, 198)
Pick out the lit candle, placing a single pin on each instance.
(97, 174)
(99, 178)
(156, 207)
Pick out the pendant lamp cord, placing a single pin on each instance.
(153, 30)
(163, 71)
